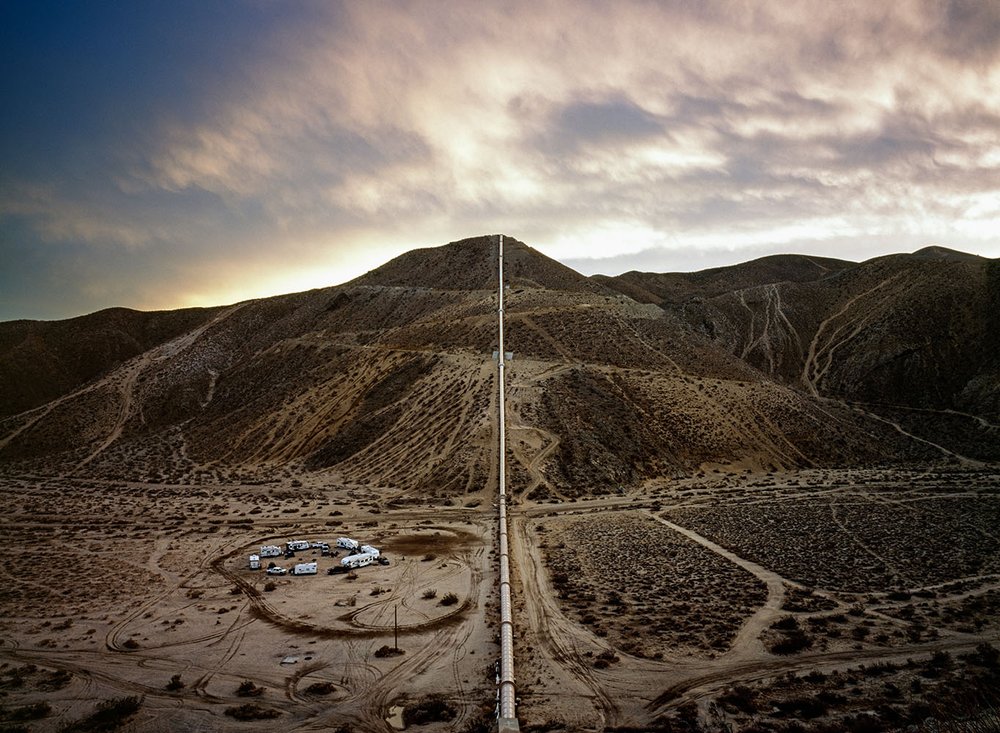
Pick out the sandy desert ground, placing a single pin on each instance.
(852, 599)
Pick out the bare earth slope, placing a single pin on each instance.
(41, 360)
(385, 381)
(678, 287)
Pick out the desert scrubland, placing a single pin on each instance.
(751, 499)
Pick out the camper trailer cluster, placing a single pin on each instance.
(359, 556)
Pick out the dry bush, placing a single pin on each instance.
(247, 688)
(251, 711)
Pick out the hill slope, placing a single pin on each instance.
(386, 381)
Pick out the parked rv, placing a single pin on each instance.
(296, 545)
(270, 551)
(357, 561)
(373, 551)
(255, 562)
(347, 543)
(305, 568)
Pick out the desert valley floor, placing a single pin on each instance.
(752, 600)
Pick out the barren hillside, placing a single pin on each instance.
(785, 362)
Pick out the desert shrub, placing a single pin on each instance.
(985, 655)
(251, 711)
(936, 665)
(877, 669)
(175, 683)
(34, 711)
(482, 722)
(802, 707)
(387, 651)
(790, 644)
(131, 644)
(786, 623)
(110, 715)
(430, 709)
(601, 664)
(449, 599)
(831, 698)
(739, 699)
(248, 689)
(56, 681)
(320, 688)
(428, 557)
(429, 594)
(269, 586)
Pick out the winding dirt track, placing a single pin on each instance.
(964, 460)
(747, 644)
(812, 372)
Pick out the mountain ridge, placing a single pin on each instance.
(385, 381)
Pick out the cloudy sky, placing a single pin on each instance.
(166, 154)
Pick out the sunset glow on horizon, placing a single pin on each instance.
(159, 155)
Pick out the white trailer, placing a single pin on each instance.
(255, 562)
(373, 551)
(305, 568)
(347, 543)
(296, 545)
(270, 551)
(357, 561)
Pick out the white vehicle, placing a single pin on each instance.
(305, 568)
(347, 543)
(255, 562)
(296, 545)
(357, 561)
(319, 545)
(373, 551)
(276, 570)
(270, 551)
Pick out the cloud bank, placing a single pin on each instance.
(285, 146)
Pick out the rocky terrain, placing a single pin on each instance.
(731, 490)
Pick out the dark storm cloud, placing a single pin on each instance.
(970, 29)
(608, 122)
